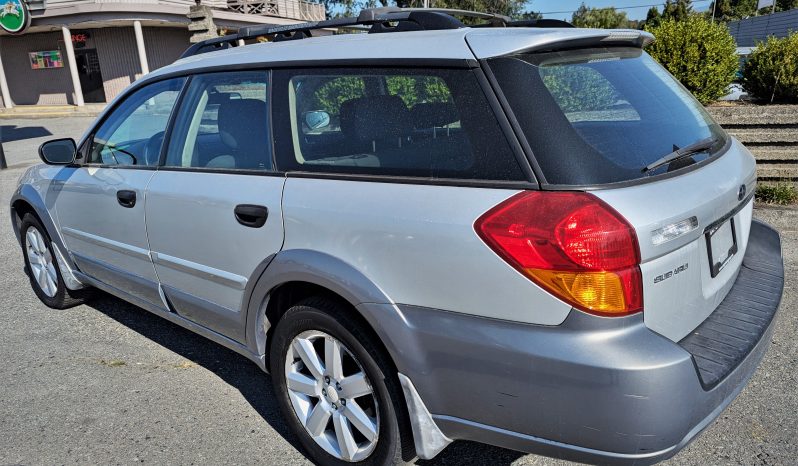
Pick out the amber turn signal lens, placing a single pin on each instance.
(599, 292)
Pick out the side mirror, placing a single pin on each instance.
(317, 119)
(58, 151)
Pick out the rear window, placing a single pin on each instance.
(396, 122)
(601, 115)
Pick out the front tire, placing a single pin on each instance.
(336, 388)
(42, 267)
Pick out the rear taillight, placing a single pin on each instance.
(571, 244)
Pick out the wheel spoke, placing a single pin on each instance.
(317, 421)
(361, 420)
(333, 364)
(346, 441)
(301, 383)
(36, 268)
(40, 242)
(354, 386)
(33, 258)
(30, 238)
(52, 277)
(307, 353)
(42, 280)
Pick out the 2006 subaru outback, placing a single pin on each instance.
(531, 237)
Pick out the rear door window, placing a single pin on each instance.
(222, 123)
(601, 115)
(417, 123)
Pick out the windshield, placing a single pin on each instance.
(601, 115)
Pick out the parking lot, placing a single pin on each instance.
(109, 383)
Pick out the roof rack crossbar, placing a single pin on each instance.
(378, 19)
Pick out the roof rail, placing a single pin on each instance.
(379, 20)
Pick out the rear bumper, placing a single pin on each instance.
(591, 389)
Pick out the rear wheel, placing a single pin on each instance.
(336, 389)
(42, 267)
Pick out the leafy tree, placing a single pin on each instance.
(678, 10)
(578, 88)
(604, 18)
(653, 17)
(699, 53)
(730, 10)
(771, 71)
(781, 5)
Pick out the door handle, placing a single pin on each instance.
(126, 198)
(253, 216)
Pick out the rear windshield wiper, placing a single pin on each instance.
(698, 146)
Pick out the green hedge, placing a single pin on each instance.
(771, 72)
(699, 53)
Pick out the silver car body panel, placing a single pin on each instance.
(416, 251)
(203, 256)
(85, 199)
(675, 306)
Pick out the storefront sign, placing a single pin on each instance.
(79, 39)
(46, 59)
(14, 16)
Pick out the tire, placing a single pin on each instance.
(44, 274)
(314, 320)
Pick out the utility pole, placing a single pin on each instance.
(713, 9)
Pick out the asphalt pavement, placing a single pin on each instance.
(109, 383)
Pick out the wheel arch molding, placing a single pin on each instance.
(314, 270)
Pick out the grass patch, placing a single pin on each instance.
(779, 194)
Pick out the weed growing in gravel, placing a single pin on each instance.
(781, 194)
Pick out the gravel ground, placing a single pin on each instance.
(109, 383)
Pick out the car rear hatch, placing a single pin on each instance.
(602, 116)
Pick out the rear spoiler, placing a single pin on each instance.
(510, 41)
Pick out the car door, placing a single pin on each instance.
(100, 205)
(214, 207)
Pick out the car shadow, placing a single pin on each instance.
(236, 370)
(10, 133)
(255, 385)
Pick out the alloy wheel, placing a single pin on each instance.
(41, 262)
(332, 396)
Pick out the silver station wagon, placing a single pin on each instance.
(517, 233)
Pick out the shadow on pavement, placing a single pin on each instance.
(236, 370)
(10, 133)
(255, 386)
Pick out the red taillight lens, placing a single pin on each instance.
(572, 244)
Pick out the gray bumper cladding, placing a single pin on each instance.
(591, 389)
(729, 334)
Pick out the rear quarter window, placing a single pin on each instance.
(601, 115)
(390, 122)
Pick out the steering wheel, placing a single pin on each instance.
(152, 151)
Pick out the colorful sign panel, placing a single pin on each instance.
(46, 59)
(14, 16)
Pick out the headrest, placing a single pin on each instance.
(375, 118)
(241, 121)
(428, 115)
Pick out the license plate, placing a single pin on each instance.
(721, 246)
